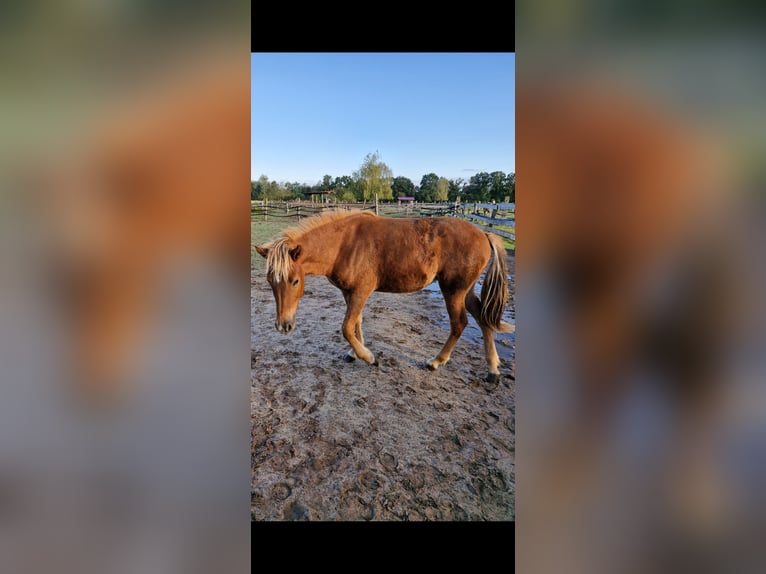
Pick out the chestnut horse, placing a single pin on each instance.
(360, 252)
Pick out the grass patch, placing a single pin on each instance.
(260, 233)
(510, 244)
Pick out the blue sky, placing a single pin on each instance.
(322, 113)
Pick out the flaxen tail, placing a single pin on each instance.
(494, 291)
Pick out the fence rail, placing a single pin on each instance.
(498, 218)
(488, 216)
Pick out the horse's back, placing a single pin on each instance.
(413, 252)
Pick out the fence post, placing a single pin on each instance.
(376, 204)
(298, 211)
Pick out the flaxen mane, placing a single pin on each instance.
(279, 261)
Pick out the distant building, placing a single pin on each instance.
(322, 194)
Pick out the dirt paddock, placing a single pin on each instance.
(347, 441)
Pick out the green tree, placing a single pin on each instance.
(343, 181)
(274, 191)
(345, 195)
(259, 188)
(478, 188)
(403, 187)
(428, 187)
(296, 189)
(499, 187)
(374, 177)
(442, 189)
(455, 188)
(326, 183)
(345, 189)
(271, 190)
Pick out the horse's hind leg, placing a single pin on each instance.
(473, 305)
(490, 352)
(352, 327)
(458, 320)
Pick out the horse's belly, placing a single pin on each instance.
(405, 284)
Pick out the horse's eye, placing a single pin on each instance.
(295, 282)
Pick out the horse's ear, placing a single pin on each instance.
(261, 251)
(295, 252)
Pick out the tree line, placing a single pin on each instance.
(375, 177)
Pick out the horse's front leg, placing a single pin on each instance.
(352, 327)
(351, 355)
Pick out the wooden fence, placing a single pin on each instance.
(490, 216)
(499, 218)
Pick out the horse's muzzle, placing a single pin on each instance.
(285, 326)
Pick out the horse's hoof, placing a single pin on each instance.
(375, 363)
(432, 366)
(349, 358)
(492, 378)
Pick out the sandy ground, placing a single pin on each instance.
(347, 441)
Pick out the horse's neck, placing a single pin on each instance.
(319, 251)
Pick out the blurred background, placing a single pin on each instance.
(124, 331)
(640, 132)
(640, 165)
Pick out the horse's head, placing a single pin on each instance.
(286, 277)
